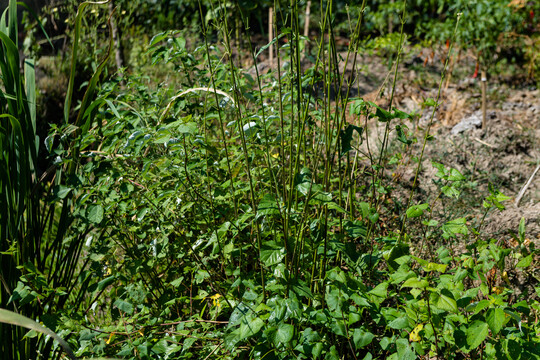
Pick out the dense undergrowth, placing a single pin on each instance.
(227, 215)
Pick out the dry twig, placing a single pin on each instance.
(524, 188)
(485, 143)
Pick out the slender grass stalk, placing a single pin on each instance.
(270, 35)
(428, 128)
(378, 169)
(384, 145)
(220, 116)
(282, 144)
(266, 144)
(71, 83)
(240, 126)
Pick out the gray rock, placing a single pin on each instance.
(471, 122)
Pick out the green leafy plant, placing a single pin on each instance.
(39, 258)
(241, 214)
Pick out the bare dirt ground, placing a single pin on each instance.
(505, 154)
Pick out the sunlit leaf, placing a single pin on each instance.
(271, 253)
(435, 267)
(284, 334)
(95, 214)
(417, 210)
(525, 262)
(415, 283)
(380, 290)
(477, 333)
(399, 323)
(446, 302)
(362, 338)
(456, 226)
(495, 319)
(249, 328)
(404, 350)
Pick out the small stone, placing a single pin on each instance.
(471, 122)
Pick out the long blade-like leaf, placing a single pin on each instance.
(78, 18)
(9, 317)
(30, 82)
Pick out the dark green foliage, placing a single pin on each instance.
(39, 256)
(234, 214)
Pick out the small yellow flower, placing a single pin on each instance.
(215, 299)
(111, 336)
